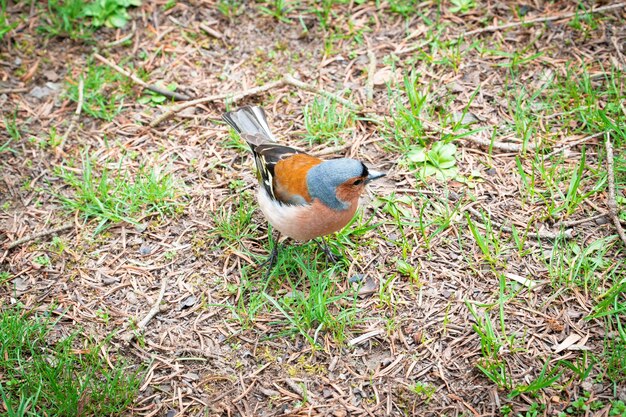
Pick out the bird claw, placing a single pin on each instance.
(330, 256)
(270, 261)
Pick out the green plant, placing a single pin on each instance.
(116, 195)
(42, 375)
(66, 18)
(13, 131)
(278, 9)
(424, 390)
(403, 7)
(321, 310)
(233, 222)
(110, 13)
(154, 99)
(229, 8)
(325, 121)
(618, 408)
(5, 25)
(101, 97)
(42, 260)
(545, 379)
(408, 108)
(439, 161)
(462, 6)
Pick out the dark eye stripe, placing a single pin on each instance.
(365, 172)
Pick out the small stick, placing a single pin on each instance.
(371, 71)
(169, 94)
(289, 79)
(233, 96)
(568, 234)
(81, 94)
(37, 235)
(571, 223)
(75, 117)
(509, 147)
(571, 145)
(13, 90)
(209, 30)
(331, 150)
(124, 39)
(496, 28)
(611, 198)
(156, 308)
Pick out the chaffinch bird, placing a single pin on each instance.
(301, 196)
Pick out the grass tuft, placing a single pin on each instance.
(113, 196)
(58, 378)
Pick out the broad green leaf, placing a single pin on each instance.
(117, 20)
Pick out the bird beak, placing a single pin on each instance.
(374, 175)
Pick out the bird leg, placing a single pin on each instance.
(330, 256)
(273, 257)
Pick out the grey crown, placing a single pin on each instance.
(323, 180)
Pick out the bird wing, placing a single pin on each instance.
(282, 170)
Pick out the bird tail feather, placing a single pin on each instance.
(251, 123)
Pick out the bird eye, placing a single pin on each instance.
(358, 182)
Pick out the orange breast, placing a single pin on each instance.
(290, 177)
(319, 220)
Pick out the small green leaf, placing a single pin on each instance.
(447, 164)
(404, 267)
(144, 99)
(117, 20)
(159, 99)
(447, 151)
(417, 154)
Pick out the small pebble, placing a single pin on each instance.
(187, 302)
(356, 278)
(145, 250)
(602, 220)
(131, 297)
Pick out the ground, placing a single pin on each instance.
(483, 276)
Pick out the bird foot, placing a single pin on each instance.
(330, 256)
(270, 261)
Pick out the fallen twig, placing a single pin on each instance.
(233, 96)
(165, 92)
(611, 202)
(124, 39)
(13, 90)
(288, 79)
(38, 235)
(75, 117)
(572, 144)
(541, 234)
(209, 30)
(495, 28)
(371, 71)
(571, 223)
(156, 308)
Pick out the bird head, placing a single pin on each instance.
(339, 182)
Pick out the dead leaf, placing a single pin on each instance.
(528, 283)
(565, 344)
(384, 76)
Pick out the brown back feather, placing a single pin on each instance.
(290, 184)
